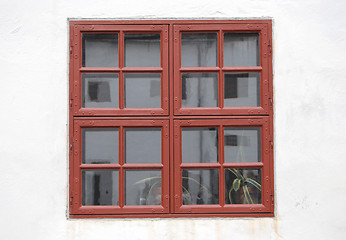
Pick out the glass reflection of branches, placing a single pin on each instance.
(200, 186)
(143, 187)
(243, 186)
(151, 193)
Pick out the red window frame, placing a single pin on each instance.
(220, 29)
(170, 118)
(78, 70)
(78, 166)
(220, 124)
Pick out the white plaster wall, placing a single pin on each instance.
(310, 129)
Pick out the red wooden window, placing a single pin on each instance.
(105, 68)
(171, 118)
(232, 63)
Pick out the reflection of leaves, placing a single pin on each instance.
(187, 191)
(242, 182)
(195, 181)
(147, 179)
(254, 183)
(236, 173)
(150, 184)
(151, 188)
(236, 184)
(229, 194)
(247, 195)
(189, 197)
(153, 181)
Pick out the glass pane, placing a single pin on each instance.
(199, 49)
(242, 144)
(200, 145)
(142, 90)
(242, 90)
(200, 186)
(100, 90)
(243, 186)
(100, 50)
(143, 187)
(100, 145)
(241, 49)
(199, 90)
(142, 50)
(143, 145)
(100, 187)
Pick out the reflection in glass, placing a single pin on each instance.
(242, 90)
(142, 50)
(243, 186)
(143, 187)
(143, 145)
(241, 49)
(199, 90)
(200, 145)
(200, 186)
(242, 144)
(100, 145)
(142, 90)
(199, 49)
(100, 187)
(100, 50)
(100, 90)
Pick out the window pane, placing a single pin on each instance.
(142, 50)
(241, 49)
(243, 186)
(200, 145)
(143, 145)
(100, 50)
(199, 90)
(242, 144)
(200, 186)
(100, 146)
(142, 90)
(100, 90)
(199, 49)
(242, 90)
(143, 187)
(100, 187)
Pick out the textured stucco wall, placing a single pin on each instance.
(310, 129)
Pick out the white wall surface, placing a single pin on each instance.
(310, 102)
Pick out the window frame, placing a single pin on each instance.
(171, 117)
(121, 30)
(261, 29)
(121, 124)
(220, 124)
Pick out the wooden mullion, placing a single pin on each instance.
(199, 69)
(121, 163)
(100, 166)
(129, 166)
(244, 165)
(242, 69)
(143, 69)
(121, 74)
(221, 76)
(222, 171)
(200, 165)
(98, 70)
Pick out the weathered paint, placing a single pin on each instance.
(309, 101)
